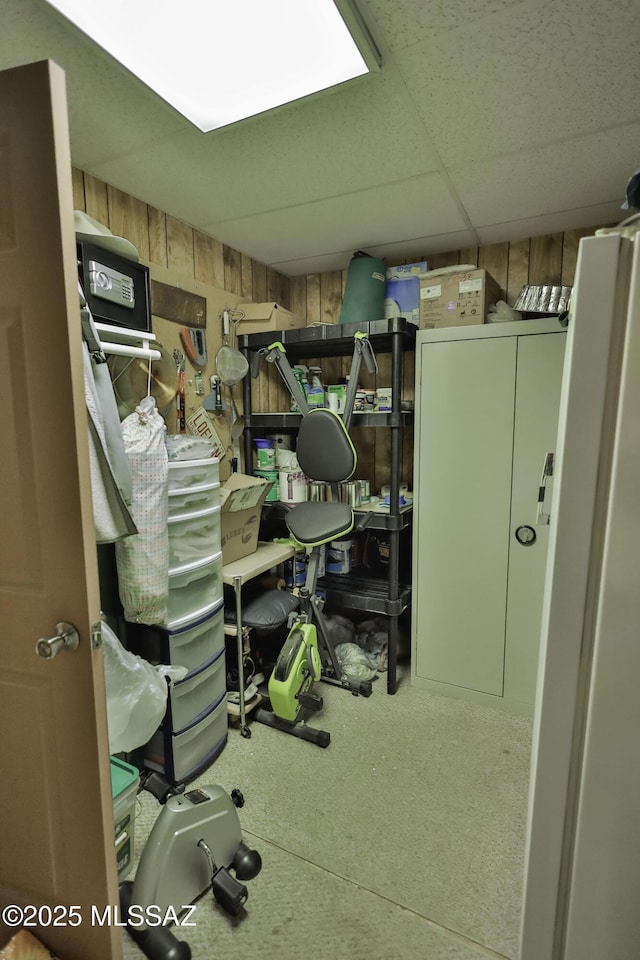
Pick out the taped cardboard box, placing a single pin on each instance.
(264, 317)
(456, 299)
(241, 499)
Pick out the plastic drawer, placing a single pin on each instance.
(195, 590)
(183, 755)
(200, 497)
(193, 536)
(193, 473)
(196, 693)
(197, 642)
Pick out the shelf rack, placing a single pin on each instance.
(395, 336)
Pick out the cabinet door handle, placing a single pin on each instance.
(543, 517)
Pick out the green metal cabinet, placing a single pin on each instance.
(487, 401)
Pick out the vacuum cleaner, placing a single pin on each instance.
(194, 845)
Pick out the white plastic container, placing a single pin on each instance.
(193, 536)
(194, 591)
(197, 692)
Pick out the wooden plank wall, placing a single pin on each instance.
(543, 259)
(316, 298)
(163, 240)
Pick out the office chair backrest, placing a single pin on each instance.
(324, 449)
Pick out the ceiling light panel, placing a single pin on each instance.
(219, 61)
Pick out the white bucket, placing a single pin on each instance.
(292, 486)
(286, 460)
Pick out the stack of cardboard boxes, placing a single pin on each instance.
(451, 297)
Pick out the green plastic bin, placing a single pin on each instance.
(125, 781)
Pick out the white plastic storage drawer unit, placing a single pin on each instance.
(193, 535)
(198, 641)
(195, 590)
(196, 693)
(193, 485)
(183, 755)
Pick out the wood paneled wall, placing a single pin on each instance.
(543, 259)
(550, 258)
(163, 240)
(316, 298)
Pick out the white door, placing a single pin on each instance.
(582, 856)
(603, 919)
(56, 836)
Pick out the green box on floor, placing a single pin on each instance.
(125, 780)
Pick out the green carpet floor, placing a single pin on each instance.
(405, 837)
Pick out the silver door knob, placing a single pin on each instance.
(66, 638)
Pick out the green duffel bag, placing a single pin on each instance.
(364, 290)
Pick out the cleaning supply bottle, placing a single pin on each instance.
(315, 391)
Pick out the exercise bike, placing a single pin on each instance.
(325, 453)
(194, 846)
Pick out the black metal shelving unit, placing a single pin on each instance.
(387, 596)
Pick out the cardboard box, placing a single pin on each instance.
(407, 270)
(241, 499)
(402, 298)
(456, 299)
(263, 317)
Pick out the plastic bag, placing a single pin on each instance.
(501, 312)
(183, 446)
(136, 694)
(143, 559)
(355, 662)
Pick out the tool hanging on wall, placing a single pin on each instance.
(181, 409)
(213, 402)
(195, 346)
(232, 366)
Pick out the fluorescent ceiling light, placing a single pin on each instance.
(219, 61)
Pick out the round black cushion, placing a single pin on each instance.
(266, 610)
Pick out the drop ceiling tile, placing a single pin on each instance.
(401, 251)
(110, 111)
(404, 23)
(354, 221)
(421, 248)
(306, 265)
(341, 141)
(531, 73)
(564, 176)
(602, 214)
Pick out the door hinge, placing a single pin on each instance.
(96, 636)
